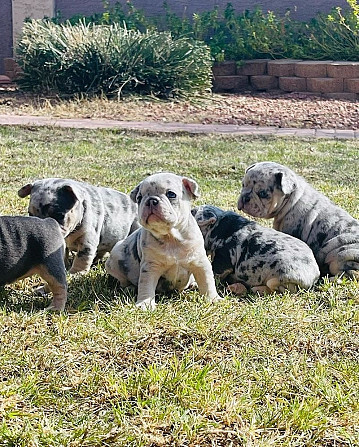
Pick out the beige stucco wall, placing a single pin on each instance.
(22, 9)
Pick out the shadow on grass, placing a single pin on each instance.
(96, 288)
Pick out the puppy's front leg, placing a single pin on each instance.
(203, 274)
(85, 255)
(149, 275)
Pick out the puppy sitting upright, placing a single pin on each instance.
(272, 190)
(169, 248)
(30, 245)
(92, 218)
(247, 255)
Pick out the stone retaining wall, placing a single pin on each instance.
(338, 80)
(335, 79)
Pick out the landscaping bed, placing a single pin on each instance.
(264, 109)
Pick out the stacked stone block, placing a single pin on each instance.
(12, 69)
(325, 78)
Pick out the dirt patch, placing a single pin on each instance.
(263, 109)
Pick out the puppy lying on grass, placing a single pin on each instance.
(29, 246)
(248, 256)
(271, 190)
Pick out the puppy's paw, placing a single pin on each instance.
(74, 270)
(53, 308)
(238, 289)
(215, 299)
(148, 304)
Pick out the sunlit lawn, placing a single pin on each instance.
(280, 370)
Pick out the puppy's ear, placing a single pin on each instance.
(250, 167)
(67, 197)
(285, 182)
(191, 187)
(25, 190)
(206, 217)
(134, 192)
(209, 220)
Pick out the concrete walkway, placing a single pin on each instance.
(156, 126)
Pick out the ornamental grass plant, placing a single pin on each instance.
(110, 59)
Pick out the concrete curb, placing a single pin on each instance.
(154, 126)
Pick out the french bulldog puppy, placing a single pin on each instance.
(246, 255)
(271, 190)
(92, 218)
(33, 246)
(168, 249)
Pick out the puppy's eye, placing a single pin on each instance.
(139, 198)
(171, 194)
(262, 194)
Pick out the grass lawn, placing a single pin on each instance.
(280, 370)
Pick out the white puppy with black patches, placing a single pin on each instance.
(168, 249)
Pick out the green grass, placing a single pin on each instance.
(280, 370)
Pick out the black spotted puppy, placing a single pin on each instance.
(29, 246)
(246, 255)
(271, 190)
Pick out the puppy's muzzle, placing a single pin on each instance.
(152, 202)
(243, 200)
(246, 198)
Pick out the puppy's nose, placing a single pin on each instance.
(152, 201)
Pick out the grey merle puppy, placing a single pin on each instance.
(271, 190)
(33, 246)
(92, 218)
(247, 255)
(167, 253)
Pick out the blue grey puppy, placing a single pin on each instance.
(33, 246)
(92, 218)
(271, 190)
(247, 255)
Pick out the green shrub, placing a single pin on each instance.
(251, 34)
(88, 58)
(336, 35)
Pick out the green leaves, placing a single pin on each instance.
(110, 59)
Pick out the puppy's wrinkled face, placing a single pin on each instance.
(164, 201)
(266, 186)
(50, 200)
(206, 216)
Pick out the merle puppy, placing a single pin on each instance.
(167, 251)
(29, 246)
(247, 255)
(92, 218)
(271, 190)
